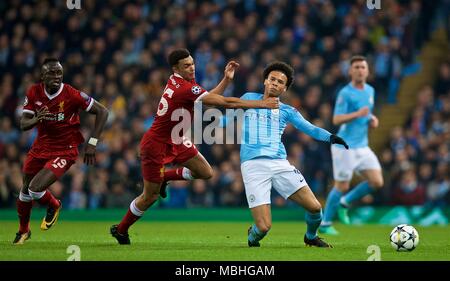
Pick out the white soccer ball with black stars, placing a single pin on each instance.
(404, 238)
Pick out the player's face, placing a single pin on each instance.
(52, 75)
(359, 71)
(186, 68)
(275, 84)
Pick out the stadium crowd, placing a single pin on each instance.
(116, 51)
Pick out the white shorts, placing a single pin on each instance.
(260, 175)
(345, 162)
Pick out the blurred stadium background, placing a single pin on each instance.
(115, 51)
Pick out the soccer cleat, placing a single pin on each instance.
(343, 215)
(316, 242)
(163, 190)
(21, 237)
(252, 244)
(123, 239)
(51, 217)
(329, 230)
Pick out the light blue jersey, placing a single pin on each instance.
(262, 130)
(351, 99)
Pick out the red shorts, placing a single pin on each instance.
(57, 164)
(154, 155)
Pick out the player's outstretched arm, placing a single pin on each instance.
(344, 118)
(29, 120)
(300, 123)
(101, 115)
(230, 68)
(231, 102)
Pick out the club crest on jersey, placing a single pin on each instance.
(196, 90)
(61, 106)
(25, 102)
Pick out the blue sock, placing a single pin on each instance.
(312, 224)
(331, 206)
(255, 234)
(356, 193)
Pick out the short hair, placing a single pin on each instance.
(49, 60)
(177, 55)
(357, 58)
(282, 67)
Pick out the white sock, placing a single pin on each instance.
(25, 197)
(134, 209)
(36, 195)
(187, 175)
(343, 202)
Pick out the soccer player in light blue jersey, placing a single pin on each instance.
(352, 112)
(263, 158)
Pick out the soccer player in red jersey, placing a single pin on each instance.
(158, 147)
(53, 107)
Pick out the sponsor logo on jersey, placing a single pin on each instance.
(196, 90)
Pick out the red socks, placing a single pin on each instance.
(49, 199)
(127, 221)
(24, 212)
(174, 174)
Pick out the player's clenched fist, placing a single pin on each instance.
(271, 103)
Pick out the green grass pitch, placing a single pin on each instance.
(212, 241)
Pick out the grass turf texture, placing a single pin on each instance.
(214, 241)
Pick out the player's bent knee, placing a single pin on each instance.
(206, 174)
(379, 183)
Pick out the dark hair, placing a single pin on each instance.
(357, 58)
(177, 55)
(49, 60)
(282, 67)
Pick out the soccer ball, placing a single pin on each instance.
(404, 238)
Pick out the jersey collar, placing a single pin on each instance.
(50, 97)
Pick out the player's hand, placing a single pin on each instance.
(271, 103)
(374, 122)
(363, 111)
(89, 155)
(230, 69)
(42, 113)
(338, 140)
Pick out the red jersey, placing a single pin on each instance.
(179, 94)
(59, 132)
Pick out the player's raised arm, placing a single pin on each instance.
(232, 102)
(230, 68)
(300, 123)
(101, 115)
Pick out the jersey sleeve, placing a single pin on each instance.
(83, 100)
(341, 106)
(303, 125)
(28, 103)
